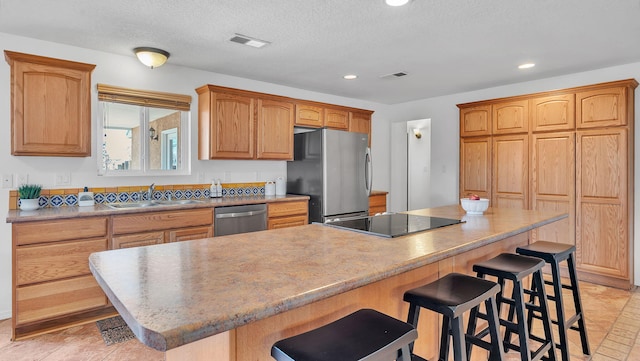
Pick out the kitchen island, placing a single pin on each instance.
(232, 297)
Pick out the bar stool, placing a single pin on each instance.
(451, 296)
(365, 335)
(516, 268)
(554, 253)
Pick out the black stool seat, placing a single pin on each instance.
(451, 296)
(554, 253)
(516, 268)
(365, 335)
(548, 251)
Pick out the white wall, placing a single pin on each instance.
(445, 133)
(126, 71)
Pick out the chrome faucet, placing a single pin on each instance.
(150, 192)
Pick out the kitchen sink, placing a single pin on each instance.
(177, 201)
(129, 205)
(143, 204)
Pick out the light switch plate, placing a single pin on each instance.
(22, 178)
(63, 179)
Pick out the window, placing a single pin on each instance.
(142, 132)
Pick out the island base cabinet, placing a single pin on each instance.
(253, 341)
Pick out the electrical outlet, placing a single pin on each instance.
(7, 181)
(63, 179)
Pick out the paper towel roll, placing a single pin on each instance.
(269, 188)
(281, 186)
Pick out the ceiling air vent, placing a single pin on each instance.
(394, 75)
(246, 40)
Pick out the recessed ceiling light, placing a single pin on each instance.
(526, 66)
(247, 40)
(396, 2)
(350, 76)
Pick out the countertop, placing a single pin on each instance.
(176, 293)
(52, 213)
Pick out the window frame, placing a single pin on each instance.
(146, 99)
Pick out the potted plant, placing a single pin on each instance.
(29, 195)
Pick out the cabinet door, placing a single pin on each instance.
(602, 219)
(232, 127)
(377, 204)
(187, 234)
(553, 113)
(511, 117)
(53, 261)
(475, 167)
(51, 106)
(510, 171)
(553, 184)
(57, 298)
(601, 108)
(137, 240)
(275, 130)
(336, 118)
(309, 115)
(475, 121)
(360, 123)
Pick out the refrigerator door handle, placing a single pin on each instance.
(368, 171)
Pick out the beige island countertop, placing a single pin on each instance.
(233, 296)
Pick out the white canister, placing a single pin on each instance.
(269, 189)
(281, 186)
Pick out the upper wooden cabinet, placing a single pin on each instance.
(336, 118)
(240, 124)
(510, 117)
(475, 120)
(553, 113)
(602, 107)
(360, 122)
(50, 106)
(309, 115)
(475, 166)
(275, 130)
(232, 123)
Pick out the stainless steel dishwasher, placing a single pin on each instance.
(240, 219)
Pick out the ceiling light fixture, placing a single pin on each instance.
(396, 2)
(526, 66)
(151, 57)
(249, 41)
(350, 76)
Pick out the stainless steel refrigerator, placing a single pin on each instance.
(333, 167)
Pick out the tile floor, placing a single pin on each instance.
(613, 326)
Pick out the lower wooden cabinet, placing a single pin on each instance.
(186, 234)
(137, 240)
(53, 286)
(377, 203)
(287, 214)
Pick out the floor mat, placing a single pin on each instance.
(114, 330)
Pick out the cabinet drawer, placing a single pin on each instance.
(153, 221)
(57, 298)
(284, 222)
(379, 200)
(137, 240)
(180, 235)
(55, 261)
(60, 230)
(280, 209)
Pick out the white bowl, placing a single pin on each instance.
(474, 206)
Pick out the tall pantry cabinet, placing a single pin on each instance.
(568, 150)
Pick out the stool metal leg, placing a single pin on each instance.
(578, 305)
(562, 326)
(459, 340)
(444, 338)
(412, 319)
(538, 282)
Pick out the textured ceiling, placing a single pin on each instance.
(445, 46)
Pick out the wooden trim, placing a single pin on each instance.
(11, 56)
(621, 83)
(146, 98)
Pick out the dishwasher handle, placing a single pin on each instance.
(240, 214)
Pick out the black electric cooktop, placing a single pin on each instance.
(393, 224)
